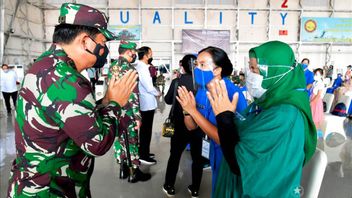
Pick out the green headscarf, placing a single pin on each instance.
(275, 58)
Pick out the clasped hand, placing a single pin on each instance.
(219, 99)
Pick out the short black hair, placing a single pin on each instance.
(4, 64)
(143, 51)
(242, 74)
(319, 70)
(306, 60)
(220, 59)
(187, 62)
(66, 33)
(122, 50)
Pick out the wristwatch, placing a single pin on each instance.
(185, 113)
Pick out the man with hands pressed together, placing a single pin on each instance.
(59, 130)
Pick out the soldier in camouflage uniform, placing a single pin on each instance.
(127, 152)
(58, 129)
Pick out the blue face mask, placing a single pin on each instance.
(202, 78)
(304, 66)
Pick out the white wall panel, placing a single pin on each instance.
(290, 23)
(315, 4)
(51, 17)
(185, 17)
(222, 20)
(252, 4)
(94, 3)
(278, 4)
(152, 29)
(253, 32)
(123, 4)
(115, 17)
(156, 3)
(34, 14)
(343, 5)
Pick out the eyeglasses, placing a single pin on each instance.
(102, 44)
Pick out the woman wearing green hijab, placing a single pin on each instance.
(265, 151)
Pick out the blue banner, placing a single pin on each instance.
(326, 30)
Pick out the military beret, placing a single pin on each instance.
(128, 45)
(79, 14)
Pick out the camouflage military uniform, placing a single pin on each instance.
(58, 129)
(128, 120)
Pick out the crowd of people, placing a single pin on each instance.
(60, 128)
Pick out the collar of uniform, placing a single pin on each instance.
(58, 52)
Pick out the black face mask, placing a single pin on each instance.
(101, 59)
(150, 60)
(134, 57)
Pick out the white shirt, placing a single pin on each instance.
(147, 91)
(318, 85)
(8, 81)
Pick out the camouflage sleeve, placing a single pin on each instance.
(133, 101)
(110, 72)
(73, 109)
(135, 106)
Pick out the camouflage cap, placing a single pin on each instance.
(128, 45)
(79, 14)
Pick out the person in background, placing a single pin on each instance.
(126, 143)
(59, 129)
(348, 74)
(93, 76)
(242, 80)
(309, 75)
(175, 73)
(345, 89)
(276, 137)
(160, 82)
(182, 135)
(346, 150)
(330, 72)
(316, 101)
(153, 71)
(325, 69)
(337, 83)
(9, 82)
(212, 64)
(148, 104)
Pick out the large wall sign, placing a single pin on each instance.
(195, 40)
(324, 29)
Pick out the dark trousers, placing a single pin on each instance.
(7, 96)
(178, 144)
(145, 133)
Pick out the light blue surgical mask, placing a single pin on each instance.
(304, 66)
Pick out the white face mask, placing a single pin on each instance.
(317, 77)
(254, 81)
(254, 84)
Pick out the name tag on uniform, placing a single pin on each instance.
(206, 148)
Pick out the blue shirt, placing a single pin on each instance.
(309, 79)
(337, 84)
(204, 107)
